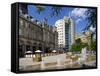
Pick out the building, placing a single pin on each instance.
(35, 35)
(66, 30)
(23, 9)
(84, 36)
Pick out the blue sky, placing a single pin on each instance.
(77, 14)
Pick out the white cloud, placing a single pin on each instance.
(78, 20)
(78, 14)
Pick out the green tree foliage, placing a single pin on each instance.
(40, 8)
(93, 46)
(56, 10)
(91, 18)
(78, 40)
(76, 47)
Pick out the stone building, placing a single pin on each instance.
(84, 36)
(34, 35)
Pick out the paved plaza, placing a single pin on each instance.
(58, 61)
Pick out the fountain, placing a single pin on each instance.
(58, 62)
(42, 65)
(83, 54)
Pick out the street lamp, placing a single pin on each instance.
(28, 53)
(38, 52)
(54, 51)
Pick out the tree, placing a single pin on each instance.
(76, 47)
(40, 8)
(91, 18)
(56, 10)
(93, 46)
(78, 40)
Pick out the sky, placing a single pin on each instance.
(77, 14)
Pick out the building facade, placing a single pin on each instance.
(85, 37)
(35, 35)
(66, 31)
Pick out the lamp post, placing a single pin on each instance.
(28, 54)
(38, 52)
(54, 51)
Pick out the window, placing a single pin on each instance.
(21, 22)
(20, 32)
(26, 24)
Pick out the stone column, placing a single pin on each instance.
(24, 49)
